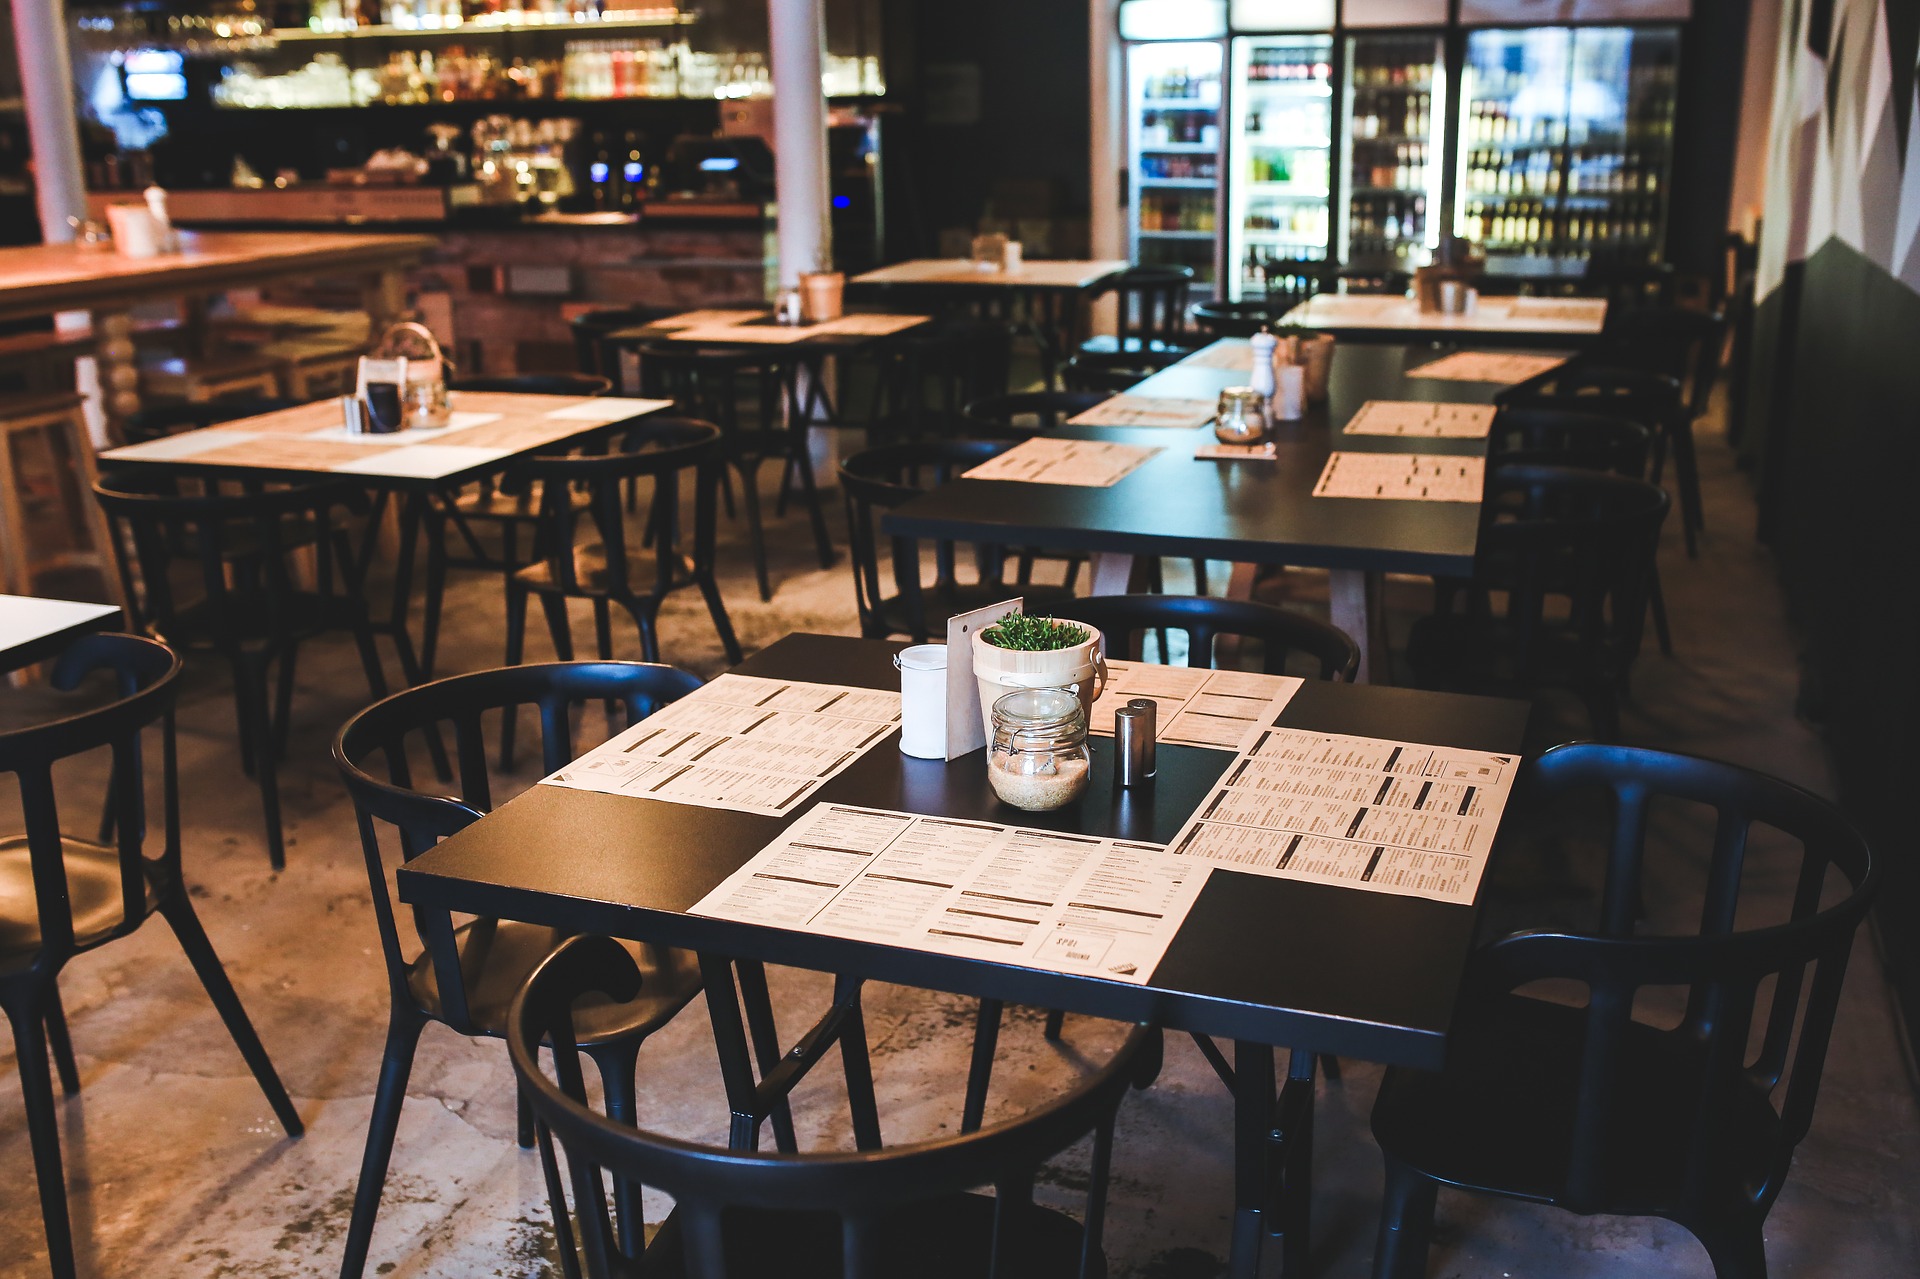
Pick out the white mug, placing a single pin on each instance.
(923, 700)
(135, 232)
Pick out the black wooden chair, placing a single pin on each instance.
(1028, 412)
(1559, 593)
(589, 486)
(1592, 1108)
(879, 479)
(863, 1213)
(61, 896)
(1124, 620)
(923, 376)
(464, 979)
(593, 347)
(243, 600)
(1220, 319)
(1150, 329)
(157, 421)
(753, 396)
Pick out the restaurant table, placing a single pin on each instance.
(489, 431)
(1493, 321)
(32, 630)
(1261, 960)
(45, 279)
(1247, 511)
(1040, 298)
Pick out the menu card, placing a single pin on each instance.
(1419, 477)
(1039, 899)
(1050, 460)
(741, 742)
(1418, 418)
(1146, 410)
(1488, 366)
(1382, 816)
(1194, 706)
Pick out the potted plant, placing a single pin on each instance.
(1023, 651)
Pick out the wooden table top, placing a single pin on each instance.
(1041, 274)
(756, 328)
(1398, 319)
(1270, 960)
(41, 278)
(488, 428)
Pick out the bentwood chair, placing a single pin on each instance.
(593, 348)
(754, 398)
(878, 479)
(1027, 413)
(1221, 319)
(873, 1211)
(535, 383)
(1653, 1091)
(1150, 321)
(1330, 652)
(1559, 594)
(464, 978)
(240, 597)
(61, 896)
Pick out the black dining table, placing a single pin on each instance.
(1252, 512)
(1262, 961)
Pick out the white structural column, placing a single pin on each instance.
(46, 85)
(796, 32)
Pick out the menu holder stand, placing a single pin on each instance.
(966, 724)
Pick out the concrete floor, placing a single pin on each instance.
(176, 1168)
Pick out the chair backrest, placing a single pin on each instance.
(1571, 555)
(738, 390)
(1680, 342)
(960, 358)
(1152, 305)
(1030, 412)
(1562, 437)
(144, 672)
(160, 420)
(879, 479)
(377, 749)
(860, 1188)
(1087, 375)
(535, 383)
(243, 545)
(590, 330)
(656, 448)
(1650, 398)
(1234, 319)
(1124, 619)
(1744, 985)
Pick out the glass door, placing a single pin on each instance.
(1513, 148)
(1620, 146)
(1280, 138)
(1174, 135)
(1395, 105)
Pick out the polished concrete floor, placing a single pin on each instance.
(176, 1168)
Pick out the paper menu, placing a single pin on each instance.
(1218, 710)
(1420, 477)
(1040, 899)
(1146, 410)
(741, 742)
(1488, 366)
(1049, 460)
(1360, 812)
(695, 319)
(870, 324)
(1417, 418)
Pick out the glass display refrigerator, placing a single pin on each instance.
(1173, 129)
(1279, 144)
(1394, 124)
(1566, 143)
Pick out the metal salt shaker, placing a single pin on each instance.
(788, 307)
(353, 415)
(1134, 729)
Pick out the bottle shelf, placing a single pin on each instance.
(1178, 148)
(1179, 184)
(1176, 235)
(530, 24)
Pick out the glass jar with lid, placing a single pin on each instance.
(1039, 758)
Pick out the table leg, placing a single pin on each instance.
(119, 373)
(1355, 599)
(413, 513)
(1253, 1116)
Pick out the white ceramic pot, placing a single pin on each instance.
(1001, 670)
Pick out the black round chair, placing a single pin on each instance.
(1221, 319)
(1124, 619)
(1028, 412)
(869, 1212)
(535, 383)
(1602, 1107)
(61, 896)
(469, 981)
(593, 329)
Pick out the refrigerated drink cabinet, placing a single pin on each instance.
(1173, 91)
(1279, 140)
(1395, 116)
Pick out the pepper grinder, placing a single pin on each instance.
(1134, 730)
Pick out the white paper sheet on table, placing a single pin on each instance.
(692, 319)
(1414, 477)
(421, 461)
(1146, 410)
(868, 324)
(1194, 706)
(173, 448)
(1419, 418)
(607, 408)
(1488, 366)
(1360, 812)
(740, 742)
(1050, 460)
(1039, 899)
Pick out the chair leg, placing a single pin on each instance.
(1686, 470)
(282, 716)
(764, 1036)
(396, 1064)
(617, 1063)
(717, 610)
(436, 593)
(603, 629)
(226, 1001)
(644, 621)
(755, 533)
(250, 690)
(559, 625)
(1735, 1246)
(1406, 1224)
(822, 540)
(523, 1122)
(36, 1085)
(1657, 600)
(516, 650)
(55, 1018)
